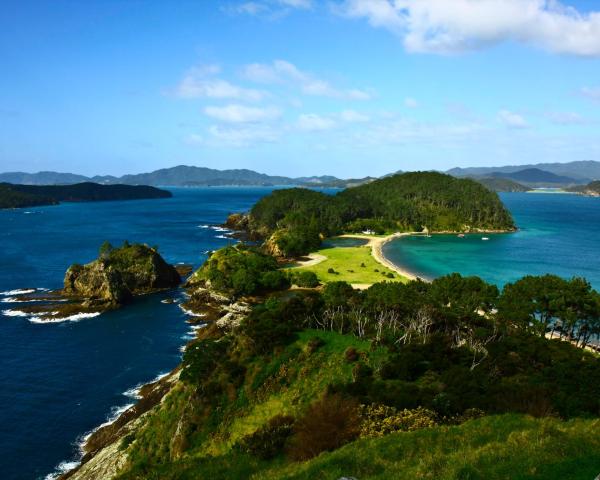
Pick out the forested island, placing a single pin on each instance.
(498, 184)
(294, 379)
(18, 196)
(592, 189)
(295, 220)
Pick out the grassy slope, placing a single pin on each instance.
(343, 259)
(512, 447)
(495, 447)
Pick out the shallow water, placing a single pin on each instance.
(557, 234)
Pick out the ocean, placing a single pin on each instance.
(557, 234)
(60, 381)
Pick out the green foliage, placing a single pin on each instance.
(338, 294)
(305, 279)
(538, 304)
(379, 420)
(269, 441)
(401, 202)
(242, 271)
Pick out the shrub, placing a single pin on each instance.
(390, 275)
(338, 294)
(306, 279)
(330, 270)
(351, 355)
(314, 344)
(327, 424)
(379, 420)
(269, 440)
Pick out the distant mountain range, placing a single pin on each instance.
(178, 176)
(580, 171)
(539, 175)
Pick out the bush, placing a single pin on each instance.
(328, 424)
(390, 275)
(330, 270)
(314, 344)
(379, 420)
(338, 294)
(306, 279)
(269, 440)
(351, 355)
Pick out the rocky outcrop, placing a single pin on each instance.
(119, 274)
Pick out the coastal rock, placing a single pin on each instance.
(271, 245)
(237, 221)
(119, 274)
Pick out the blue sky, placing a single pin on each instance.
(297, 87)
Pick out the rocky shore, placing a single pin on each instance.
(104, 450)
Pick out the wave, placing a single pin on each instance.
(223, 236)
(61, 469)
(20, 291)
(191, 313)
(70, 318)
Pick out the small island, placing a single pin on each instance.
(109, 282)
(19, 196)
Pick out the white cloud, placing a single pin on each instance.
(565, 118)
(453, 26)
(283, 72)
(312, 122)
(351, 116)
(296, 3)
(242, 114)
(512, 120)
(592, 93)
(411, 102)
(200, 82)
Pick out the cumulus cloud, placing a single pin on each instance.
(200, 82)
(311, 122)
(283, 72)
(446, 27)
(512, 120)
(242, 114)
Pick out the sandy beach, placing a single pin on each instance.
(377, 243)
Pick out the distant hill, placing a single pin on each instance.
(591, 189)
(582, 171)
(181, 175)
(535, 177)
(502, 184)
(15, 196)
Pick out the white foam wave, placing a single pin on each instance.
(220, 229)
(203, 226)
(190, 313)
(70, 318)
(20, 291)
(223, 236)
(14, 313)
(62, 468)
(134, 392)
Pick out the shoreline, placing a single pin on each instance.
(377, 243)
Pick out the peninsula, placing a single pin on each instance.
(17, 196)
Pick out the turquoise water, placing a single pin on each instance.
(557, 234)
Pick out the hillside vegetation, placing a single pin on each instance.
(299, 218)
(502, 184)
(13, 196)
(398, 381)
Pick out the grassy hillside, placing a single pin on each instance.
(350, 264)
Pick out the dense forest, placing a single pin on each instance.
(298, 218)
(15, 196)
(502, 184)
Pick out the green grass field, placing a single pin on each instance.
(347, 261)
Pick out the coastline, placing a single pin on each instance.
(377, 243)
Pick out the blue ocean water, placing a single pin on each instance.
(558, 233)
(60, 381)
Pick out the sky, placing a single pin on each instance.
(297, 87)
